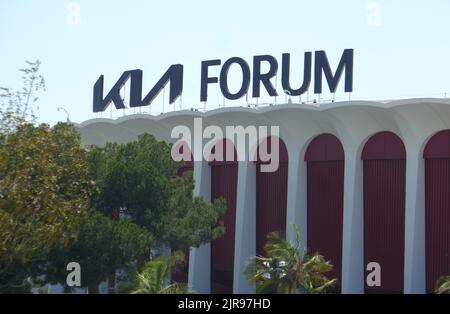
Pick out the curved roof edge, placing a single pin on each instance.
(266, 109)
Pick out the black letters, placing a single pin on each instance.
(285, 76)
(264, 78)
(174, 74)
(205, 79)
(224, 78)
(321, 63)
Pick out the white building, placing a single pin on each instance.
(365, 181)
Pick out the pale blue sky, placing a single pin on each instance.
(406, 55)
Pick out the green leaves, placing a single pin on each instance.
(48, 182)
(286, 270)
(103, 246)
(141, 178)
(18, 107)
(45, 191)
(443, 285)
(153, 277)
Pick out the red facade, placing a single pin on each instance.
(271, 199)
(325, 199)
(437, 208)
(224, 184)
(384, 157)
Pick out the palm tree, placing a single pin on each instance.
(443, 285)
(285, 270)
(153, 279)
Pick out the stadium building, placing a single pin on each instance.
(365, 182)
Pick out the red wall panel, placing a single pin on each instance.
(271, 203)
(224, 184)
(384, 158)
(325, 197)
(271, 199)
(437, 208)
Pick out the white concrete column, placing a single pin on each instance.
(200, 258)
(296, 200)
(353, 226)
(414, 272)
(245, 232)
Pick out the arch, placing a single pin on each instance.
(437, 207)
(220, 152)
(384, 170)
(325, 147)
(271, 196)
(283, 156)
(384, 146)
(438, 146)
(224, 184)
(325, 200)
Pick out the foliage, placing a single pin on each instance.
(44, 184)
(443, 285)
(18, 107)
(153, 277)
(285, 270)
(48, 182)
(44, 192)
(141, 178)
(104, 245)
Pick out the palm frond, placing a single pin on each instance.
(443, 285)
(285, 269)
(153, 279)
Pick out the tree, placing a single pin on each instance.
(44, 192)
(48, 182)
(103, 246)
(443, 285)
(44, 184)
(153, 277)
(141, 178)
(286, 270)
(18, 106)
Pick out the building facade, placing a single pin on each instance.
(364, 181)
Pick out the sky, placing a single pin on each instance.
(401, 47)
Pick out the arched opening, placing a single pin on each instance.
(224, 184)
(271, 194)
(384, 158)
(325, 200)
(437, 208)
